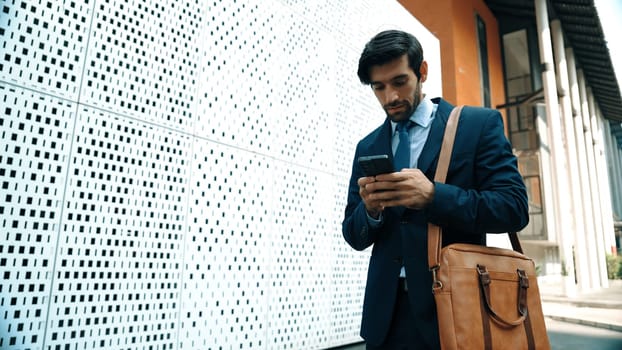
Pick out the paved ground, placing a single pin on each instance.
(571, 336)
(602, 308)
(586, 318)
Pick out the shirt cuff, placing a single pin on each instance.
(374, 223)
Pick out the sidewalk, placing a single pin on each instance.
(600, 308)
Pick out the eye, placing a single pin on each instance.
(377, 87)
(400, 82)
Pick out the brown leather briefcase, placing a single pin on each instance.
(486, 297)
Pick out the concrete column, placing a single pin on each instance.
(598, 204)
(546, 178)
(575, 199)
(605, 184)
(607, 235)
(615, 173)
(574, 130)
(593, 203)
(617, 156)
(562, 200)
(607, 144)
(617, 152)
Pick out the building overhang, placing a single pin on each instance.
(583, 32)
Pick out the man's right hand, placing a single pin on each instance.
(373, 206)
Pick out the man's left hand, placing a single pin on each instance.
(409, 188)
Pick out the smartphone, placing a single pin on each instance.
(376, 165)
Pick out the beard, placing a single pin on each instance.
(408, 107)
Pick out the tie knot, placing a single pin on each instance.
(404, 125)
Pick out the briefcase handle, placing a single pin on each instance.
(435, 238)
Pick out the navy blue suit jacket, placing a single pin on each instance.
(483, 193)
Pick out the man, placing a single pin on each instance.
(483, 193)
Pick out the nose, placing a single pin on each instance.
(390, 95)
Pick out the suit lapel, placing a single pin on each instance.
(382, 143)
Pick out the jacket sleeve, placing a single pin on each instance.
(496, 200)
(356, 229)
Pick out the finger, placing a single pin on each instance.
(411, 170)
(392, 177)
(362, 181)
(398, 201)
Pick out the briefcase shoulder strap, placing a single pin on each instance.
(434, 231)
(447, 145)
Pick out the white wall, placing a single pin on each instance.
(173, 173)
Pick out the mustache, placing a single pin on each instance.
(396, 104)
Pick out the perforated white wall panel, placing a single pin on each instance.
(173, 173)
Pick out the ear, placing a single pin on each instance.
(423, 71)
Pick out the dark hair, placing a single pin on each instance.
(387, 46)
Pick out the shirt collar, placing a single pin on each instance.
(422, 114)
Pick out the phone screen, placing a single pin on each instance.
(376, 165)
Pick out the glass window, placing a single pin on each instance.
(521, 116)
(483, 60)
(523, 135)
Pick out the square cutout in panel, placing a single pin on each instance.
(35, 139)
(43, 45)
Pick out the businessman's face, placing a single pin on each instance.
(397, 88)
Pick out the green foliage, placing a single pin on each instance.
(564, 271)
(614, 266)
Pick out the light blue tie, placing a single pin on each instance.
(401, 159)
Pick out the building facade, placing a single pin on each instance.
(173, 173)
(546, 67)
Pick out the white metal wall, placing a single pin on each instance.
(173, 173)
